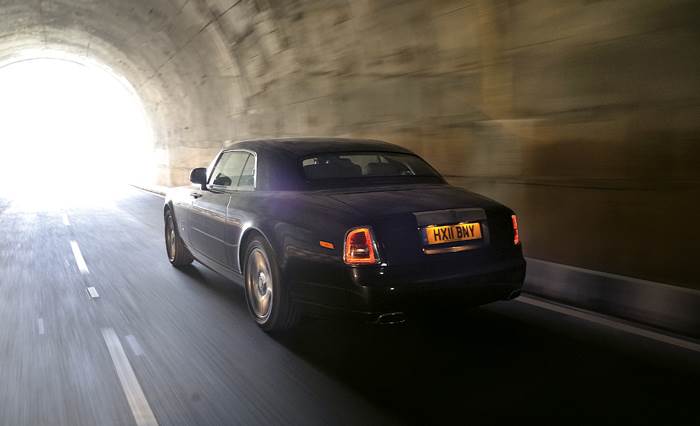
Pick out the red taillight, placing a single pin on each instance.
(516, 236)
(359, 247)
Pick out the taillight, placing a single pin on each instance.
(360, 247)
(516, 236)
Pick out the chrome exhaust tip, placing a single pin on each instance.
(391, 318)
(514, 294)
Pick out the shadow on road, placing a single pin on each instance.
(216, 283)
(492, 365)
(482, 367)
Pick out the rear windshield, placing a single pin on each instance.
(335, 166)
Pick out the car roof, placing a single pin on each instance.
(279, 160)
(300, 147)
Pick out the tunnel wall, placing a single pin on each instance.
(582, 115)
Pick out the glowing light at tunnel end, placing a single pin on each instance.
(69, 121)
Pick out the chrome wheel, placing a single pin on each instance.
(175, 248)
(171, 238)
(259, 286)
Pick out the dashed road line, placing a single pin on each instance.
(92, 291)
(143, 415)
(40, 326)
(134, 344)
(79, 260)
(659, 337)
(65, 219)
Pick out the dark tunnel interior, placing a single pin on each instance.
(581, 116)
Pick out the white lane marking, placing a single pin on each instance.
(79, 260)
(40, 326)
(134, 344)
(143, 415)
(92, 291)
(65, 219)
(659, 337)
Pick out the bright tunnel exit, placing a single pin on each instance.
(67, 125)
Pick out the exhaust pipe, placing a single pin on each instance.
(391, 318)
(513, 295)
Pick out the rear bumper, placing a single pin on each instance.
(462, 291)
(372, 291)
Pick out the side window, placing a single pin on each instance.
(229, 168)
(247, 180)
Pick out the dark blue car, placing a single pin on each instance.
(321, 226)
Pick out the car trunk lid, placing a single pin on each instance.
(392, 200)
(401, 216)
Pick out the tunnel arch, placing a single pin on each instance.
(210, 71)
(505, 100)
(150, 45)
(70, 121)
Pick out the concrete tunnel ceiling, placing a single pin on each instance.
(152, 44)
(584, 107)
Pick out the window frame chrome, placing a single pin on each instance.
(211, 186)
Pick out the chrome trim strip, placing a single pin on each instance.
(448, 249)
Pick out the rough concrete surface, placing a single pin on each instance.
(581, 115)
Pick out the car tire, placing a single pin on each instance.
(268, 298)
(178, 254)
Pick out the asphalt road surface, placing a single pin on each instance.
(96, 328)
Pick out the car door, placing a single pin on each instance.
(239, 211)
(209, 231)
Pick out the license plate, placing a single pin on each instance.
(452, 233)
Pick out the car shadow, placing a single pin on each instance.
(498, 364)
(215, 283)
(423, 371)
(487, 366)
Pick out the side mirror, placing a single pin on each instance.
(198, 176)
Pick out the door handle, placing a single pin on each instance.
(195, 195)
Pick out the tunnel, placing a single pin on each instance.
(581, 116)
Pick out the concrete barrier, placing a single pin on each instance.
(658, 305)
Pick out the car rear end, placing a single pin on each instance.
(413, 243)
(411, 248)
(432, 259)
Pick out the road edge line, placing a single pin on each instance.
(618, 325)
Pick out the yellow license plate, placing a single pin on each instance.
(452, 233)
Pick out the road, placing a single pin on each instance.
(162, 345)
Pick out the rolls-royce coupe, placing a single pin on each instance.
(320, 226)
